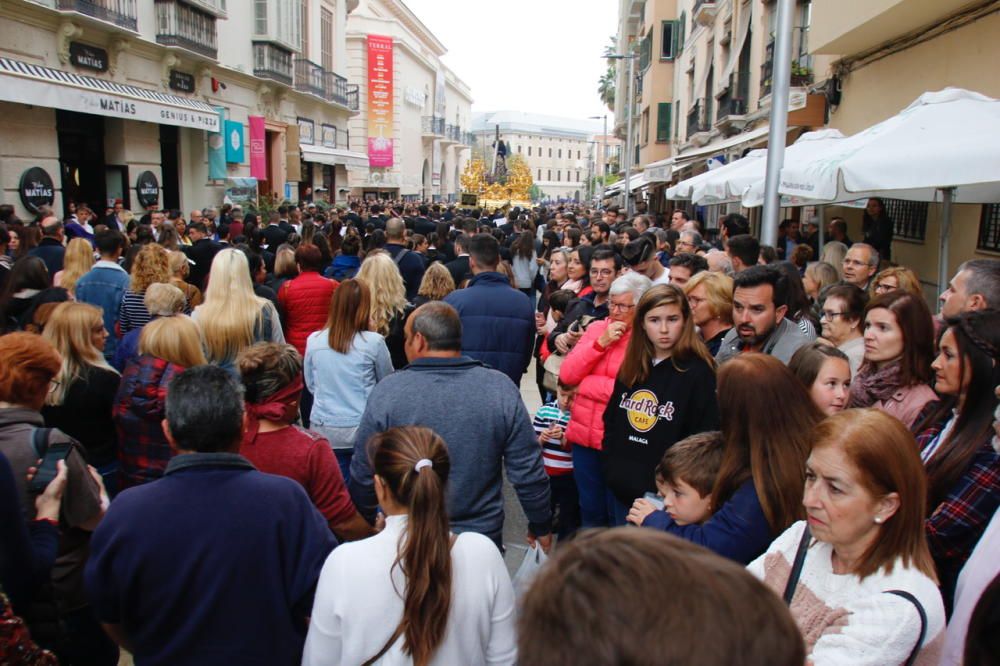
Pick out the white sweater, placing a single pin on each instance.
(358, 605)
(845, 620)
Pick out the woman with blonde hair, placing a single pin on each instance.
(435, 285)
(180, 268)
(818, 276)
(389, 306)
(167, 347)
(162, 300)
(81, 400)
(232, 317)
(710, 296)
(151, 265)
(896, 277)
(833, 254)
(78, 260)
(168, 237)
(285, 267)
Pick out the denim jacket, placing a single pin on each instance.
(104, 285)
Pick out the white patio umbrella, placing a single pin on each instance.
(714, 189)
(943, 147)
(683, 189)
(748, 185)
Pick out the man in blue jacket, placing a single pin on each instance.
(51, 249)
(482, 443)
(104, 285)
(498, 322)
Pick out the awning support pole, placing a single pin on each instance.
(781, 77)
(947, 197)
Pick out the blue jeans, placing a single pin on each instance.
(344, 460)
(616, 510)
(565, 505)
(590, 485)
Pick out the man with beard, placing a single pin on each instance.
(760, 297)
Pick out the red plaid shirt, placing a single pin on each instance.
(138, 411)
(956, 524)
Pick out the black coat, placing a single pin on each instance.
(274, 236)
(459, 269)
(201, 253)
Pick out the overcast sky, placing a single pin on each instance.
(541, 56)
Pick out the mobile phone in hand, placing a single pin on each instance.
(47, 470)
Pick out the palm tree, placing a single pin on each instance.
(606, 84)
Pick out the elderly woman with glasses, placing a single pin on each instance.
(841, 315)
(592, 366)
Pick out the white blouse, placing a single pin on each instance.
(845, 620)
(359, 604)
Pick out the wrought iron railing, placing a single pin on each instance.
(178, 24)
(696, 120)
(120, 12)
(272, 62)
(433, 125)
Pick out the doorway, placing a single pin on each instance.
(81, 159)
(169, 167)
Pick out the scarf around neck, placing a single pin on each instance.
(281, 407)
(871, 385)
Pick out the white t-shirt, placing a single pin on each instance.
(359, 604)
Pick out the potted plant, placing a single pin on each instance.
(801, 75)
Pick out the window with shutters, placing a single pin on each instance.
(670, 40)
(550, 174)
(560, 153)
(326, 37)
(529, 151)
(304, 27)
(645, 51)
(989, 229)
(663, 122)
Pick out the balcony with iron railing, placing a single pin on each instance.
(733, 102)
(310, 78)
(178, 24)
(801, 75)
(119, 12)
(704, 11)
(352, 96)
(432, 126)
(450, 134)
(696, 120)
(272, 62)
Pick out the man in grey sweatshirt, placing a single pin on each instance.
(479, 414)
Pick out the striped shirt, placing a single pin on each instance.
(557, 460)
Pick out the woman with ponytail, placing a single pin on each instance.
(451, 593)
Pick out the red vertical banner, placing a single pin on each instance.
(258, 151)
(380, 101)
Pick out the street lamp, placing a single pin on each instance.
(628, 125)
(604, 152)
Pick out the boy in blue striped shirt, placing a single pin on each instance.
(550, 424)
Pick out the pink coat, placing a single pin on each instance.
(906, 403)
(594, 372)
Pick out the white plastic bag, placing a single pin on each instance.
(534, 558)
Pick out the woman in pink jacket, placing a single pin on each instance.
(592, 366)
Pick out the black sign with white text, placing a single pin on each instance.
(36, 189)
(88, 57)
(147, 189)
(181, 81)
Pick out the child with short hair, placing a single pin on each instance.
(550, 424)
(684, 477)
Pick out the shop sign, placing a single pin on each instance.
(36, 189)
(147, 189)
(307, 131)
(88, 57)
(234, 142)
(329, 136)
(258, 151)
(181, 81)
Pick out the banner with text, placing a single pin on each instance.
(380, 92)
(258, 152)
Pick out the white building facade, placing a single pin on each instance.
(561, 153)
(414, 111)
(173, 103)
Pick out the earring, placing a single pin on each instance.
(878, 521)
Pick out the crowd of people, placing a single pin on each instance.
(277, 438)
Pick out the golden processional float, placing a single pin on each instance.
(504, 184)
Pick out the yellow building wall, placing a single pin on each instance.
(964, 58)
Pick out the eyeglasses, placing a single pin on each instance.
(829, 314)
(605, 272)
(883, 287)
(620, 306)
(694, 301)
